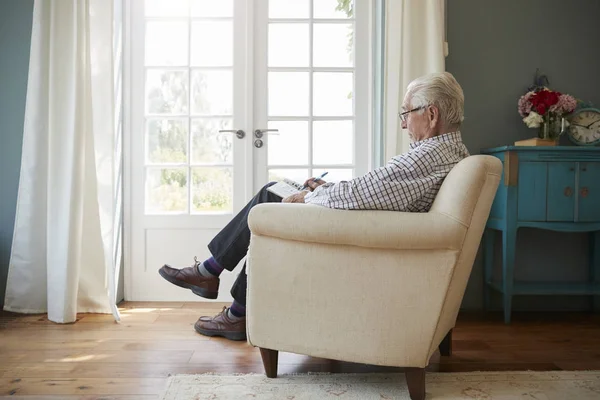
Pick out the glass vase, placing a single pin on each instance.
(551, 127)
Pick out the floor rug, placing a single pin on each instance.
(559, 385)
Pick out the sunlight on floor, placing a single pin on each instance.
(125, 311)
(79, 358)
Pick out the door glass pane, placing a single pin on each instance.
(288, 45)
(288, 8)
(333, 8)
(332, 94)
(211, 8)
(290, 147)
(166, 190)
(333, 45)
(162, 8)
(166, 43)
(335, 174)
(166, 141)
(288, 94)
(212, 189)
(166, 92)
(212, 92)
(212, 43)
(187, 104)
(208, 145)
(298, 175)
(333, 142)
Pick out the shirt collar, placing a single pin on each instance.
(446, 137)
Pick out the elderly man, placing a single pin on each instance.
(432, 112)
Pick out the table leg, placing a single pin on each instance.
(595, 266)
(509, 242)
(488, 264)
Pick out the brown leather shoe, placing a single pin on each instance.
(222, 325)
(190, 278)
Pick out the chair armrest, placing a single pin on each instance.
(363, 228)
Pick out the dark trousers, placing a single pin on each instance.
(231, 244)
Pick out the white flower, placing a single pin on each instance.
(533, 120)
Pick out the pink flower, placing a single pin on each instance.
(566, 104)
(525, 105)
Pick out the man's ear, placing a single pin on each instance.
(433, 114)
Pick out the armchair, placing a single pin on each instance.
(328, 283)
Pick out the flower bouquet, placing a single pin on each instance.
(545, 109)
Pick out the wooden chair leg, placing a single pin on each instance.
(415, 379)
(269, 358)
(446, 345)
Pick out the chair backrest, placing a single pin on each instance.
(466, 196)
(464, 185)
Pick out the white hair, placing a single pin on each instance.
(440, 90)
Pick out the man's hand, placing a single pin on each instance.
(311, 184)
(296, 198)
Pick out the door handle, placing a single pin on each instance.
(239, 133)
(568, 191)
(584, 192)
(260, 132)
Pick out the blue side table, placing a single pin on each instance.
(555, 188)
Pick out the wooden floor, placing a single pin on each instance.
(96, 358)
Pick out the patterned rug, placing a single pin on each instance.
(560, 385)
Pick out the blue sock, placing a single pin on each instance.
(210, 267)
(237, 310)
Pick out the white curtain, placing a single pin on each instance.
(63, 253)
(414, 46)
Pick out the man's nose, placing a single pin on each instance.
(403, 125)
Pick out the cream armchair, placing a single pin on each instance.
(372, 287)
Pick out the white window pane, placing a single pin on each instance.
(212, 190)
(333, 45)
(333, 8)
(333, 142)
(212, 43)
(288, 45)
(166, 141)
(288, 94)
(212, 92)
(209, 146)
(166, 190)
(166, 92)
(332, 94)
(166, 43)
(212, 8)
(164, 8)
(297, 175)
(290, 147)
(288, 8)
(335, 175)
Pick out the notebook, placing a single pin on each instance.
(285, 188)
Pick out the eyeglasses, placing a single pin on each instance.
(404, 115)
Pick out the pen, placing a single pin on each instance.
(316, 178)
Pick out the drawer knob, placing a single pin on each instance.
(568, 191)
(584, 192)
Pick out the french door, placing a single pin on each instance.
(224, 96)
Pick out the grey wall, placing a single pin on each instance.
(15, 38)
(495, 48)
